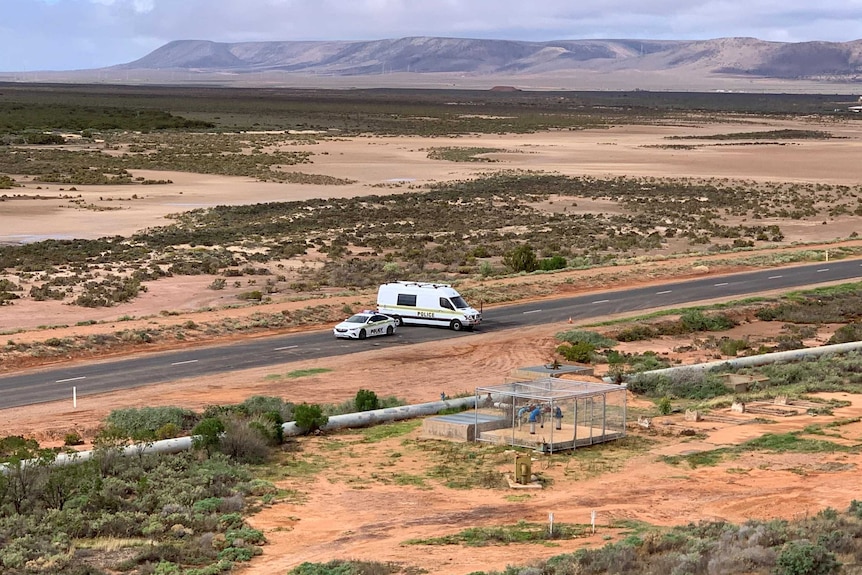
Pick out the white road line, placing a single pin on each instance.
(663, 292)
(602, 301)
(285, 347)
(532, 311)
(774, 277)
(823, 270)
(71, 379)
(721, 284)
(185, 362)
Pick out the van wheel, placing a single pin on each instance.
(362, 334)
(456, 325)
(398, 321)
(390, 330)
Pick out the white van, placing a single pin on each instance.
(426, 304)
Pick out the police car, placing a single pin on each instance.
(365, 324)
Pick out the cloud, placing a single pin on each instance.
(65, 34)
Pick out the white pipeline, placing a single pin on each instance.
(754, 360)
(367, 418)
(361, 419)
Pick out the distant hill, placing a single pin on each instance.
(739, 57)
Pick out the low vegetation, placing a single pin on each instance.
(164, 518)
(817, 545)
(141, 514)
(456, 154)
(787, 134)
(373, 239)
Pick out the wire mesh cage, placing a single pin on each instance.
(550, 414)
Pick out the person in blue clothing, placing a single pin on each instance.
(536, 416)
(558, 416)
(522, 412)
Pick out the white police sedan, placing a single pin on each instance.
(365, 324)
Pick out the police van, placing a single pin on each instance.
(426, 304)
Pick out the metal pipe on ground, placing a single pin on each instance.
(373, 417)
(361, 419)
(753, 360)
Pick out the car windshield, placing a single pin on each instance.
(459, 302)
(358, 318)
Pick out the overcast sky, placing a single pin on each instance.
(80, 34)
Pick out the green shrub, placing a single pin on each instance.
(579, 352)
(309, 418)
(16, 446)
(262, 404)
(236, 554)
(805, 558)
(269, 425)
(168, 431)
(208, 505)
(732, 347)
(638, 332)
(342, 567)
(366, 400)
(646, 361)
(694, 386)
(246, 441)
(144, 422)
(207, 434)
(696, 320)
(597, 340)
(249, 535)
(647, 384)
(521, 259)
(847, 333)
(664, 406)
(73, 438)
(553, 263)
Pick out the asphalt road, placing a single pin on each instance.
(101, 376)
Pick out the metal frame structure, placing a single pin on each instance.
(551, 414)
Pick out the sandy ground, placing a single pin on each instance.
(370, 519)
(393, 164)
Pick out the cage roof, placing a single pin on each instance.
(551, 389)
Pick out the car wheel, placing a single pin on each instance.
(398, 321)
(390, 330)
(456, 325)
(362, 334)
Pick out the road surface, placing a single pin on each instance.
(144, 369)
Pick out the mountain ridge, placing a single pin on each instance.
(736, 56)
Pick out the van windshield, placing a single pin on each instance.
(459, 302)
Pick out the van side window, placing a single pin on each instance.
(407, 299)
(446, 303)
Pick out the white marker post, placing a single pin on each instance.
(593, 520)
(551, 524)
(74, 397)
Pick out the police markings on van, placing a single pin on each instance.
(365, 324)
(424, 303)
